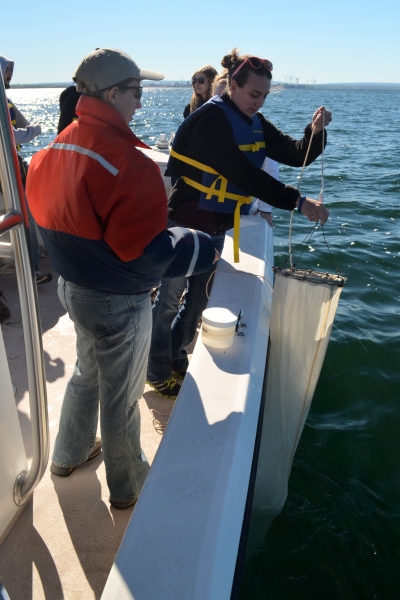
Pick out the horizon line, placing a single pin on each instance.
(185, 81)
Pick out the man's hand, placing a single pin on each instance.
(314, 210)
(321, 118)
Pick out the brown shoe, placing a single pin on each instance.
(124, 504)
(66, 471)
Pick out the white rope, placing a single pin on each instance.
(290, 239)
(321, 194)
(159, 425)
(236, 272)
(298, 189)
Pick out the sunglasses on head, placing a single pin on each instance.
(137, 94)
(255, 62)
(201, 80)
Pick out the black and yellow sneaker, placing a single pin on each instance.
(179, 374)
(167, 389)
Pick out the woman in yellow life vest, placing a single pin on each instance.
(217, 159)
(219, 150)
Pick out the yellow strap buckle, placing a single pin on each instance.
(221, 193)
(252, 147)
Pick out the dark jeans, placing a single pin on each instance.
(174, 327)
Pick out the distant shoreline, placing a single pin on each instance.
(187, 84)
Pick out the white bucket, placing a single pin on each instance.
(218, 327)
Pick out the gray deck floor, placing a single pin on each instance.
(64, 541)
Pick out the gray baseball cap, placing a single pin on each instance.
(105, 67)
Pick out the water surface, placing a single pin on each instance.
(338, 534)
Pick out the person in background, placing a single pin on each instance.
(105, 231)
(217, 158)
(23, 131)
(202, 82)
(23, 134)
(68, 101)
(220, 83)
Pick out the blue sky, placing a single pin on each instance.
(329, 42)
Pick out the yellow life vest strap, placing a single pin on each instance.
(209, 191)
(10, 105)
(221, 193)
(193, 163)
(236, 230)
(252, 147)
(240, 200)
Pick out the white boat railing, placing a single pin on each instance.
(183, 538)
(14, 200)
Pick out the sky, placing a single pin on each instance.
(340, 41)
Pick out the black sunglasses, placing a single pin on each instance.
(137, 94)
(201, 80)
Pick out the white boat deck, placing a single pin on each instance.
(183, 538)
(64, 542)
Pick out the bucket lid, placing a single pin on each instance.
(219, 317)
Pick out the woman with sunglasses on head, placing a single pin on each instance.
(202, 88)
(214, 137)
(217, 158)
(270, 166)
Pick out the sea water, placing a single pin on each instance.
(338, 536)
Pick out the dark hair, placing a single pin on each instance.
(232, 61)
(99, 93)
(196, 100)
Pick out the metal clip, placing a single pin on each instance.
(239, 324)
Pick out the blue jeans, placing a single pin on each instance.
(174, 327)
(113, 339)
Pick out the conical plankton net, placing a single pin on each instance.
(303, 309)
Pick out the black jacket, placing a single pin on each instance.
(186, 110)
(206, 136)
(68, 101)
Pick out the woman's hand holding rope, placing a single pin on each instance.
(321, 118)
(314, 210)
